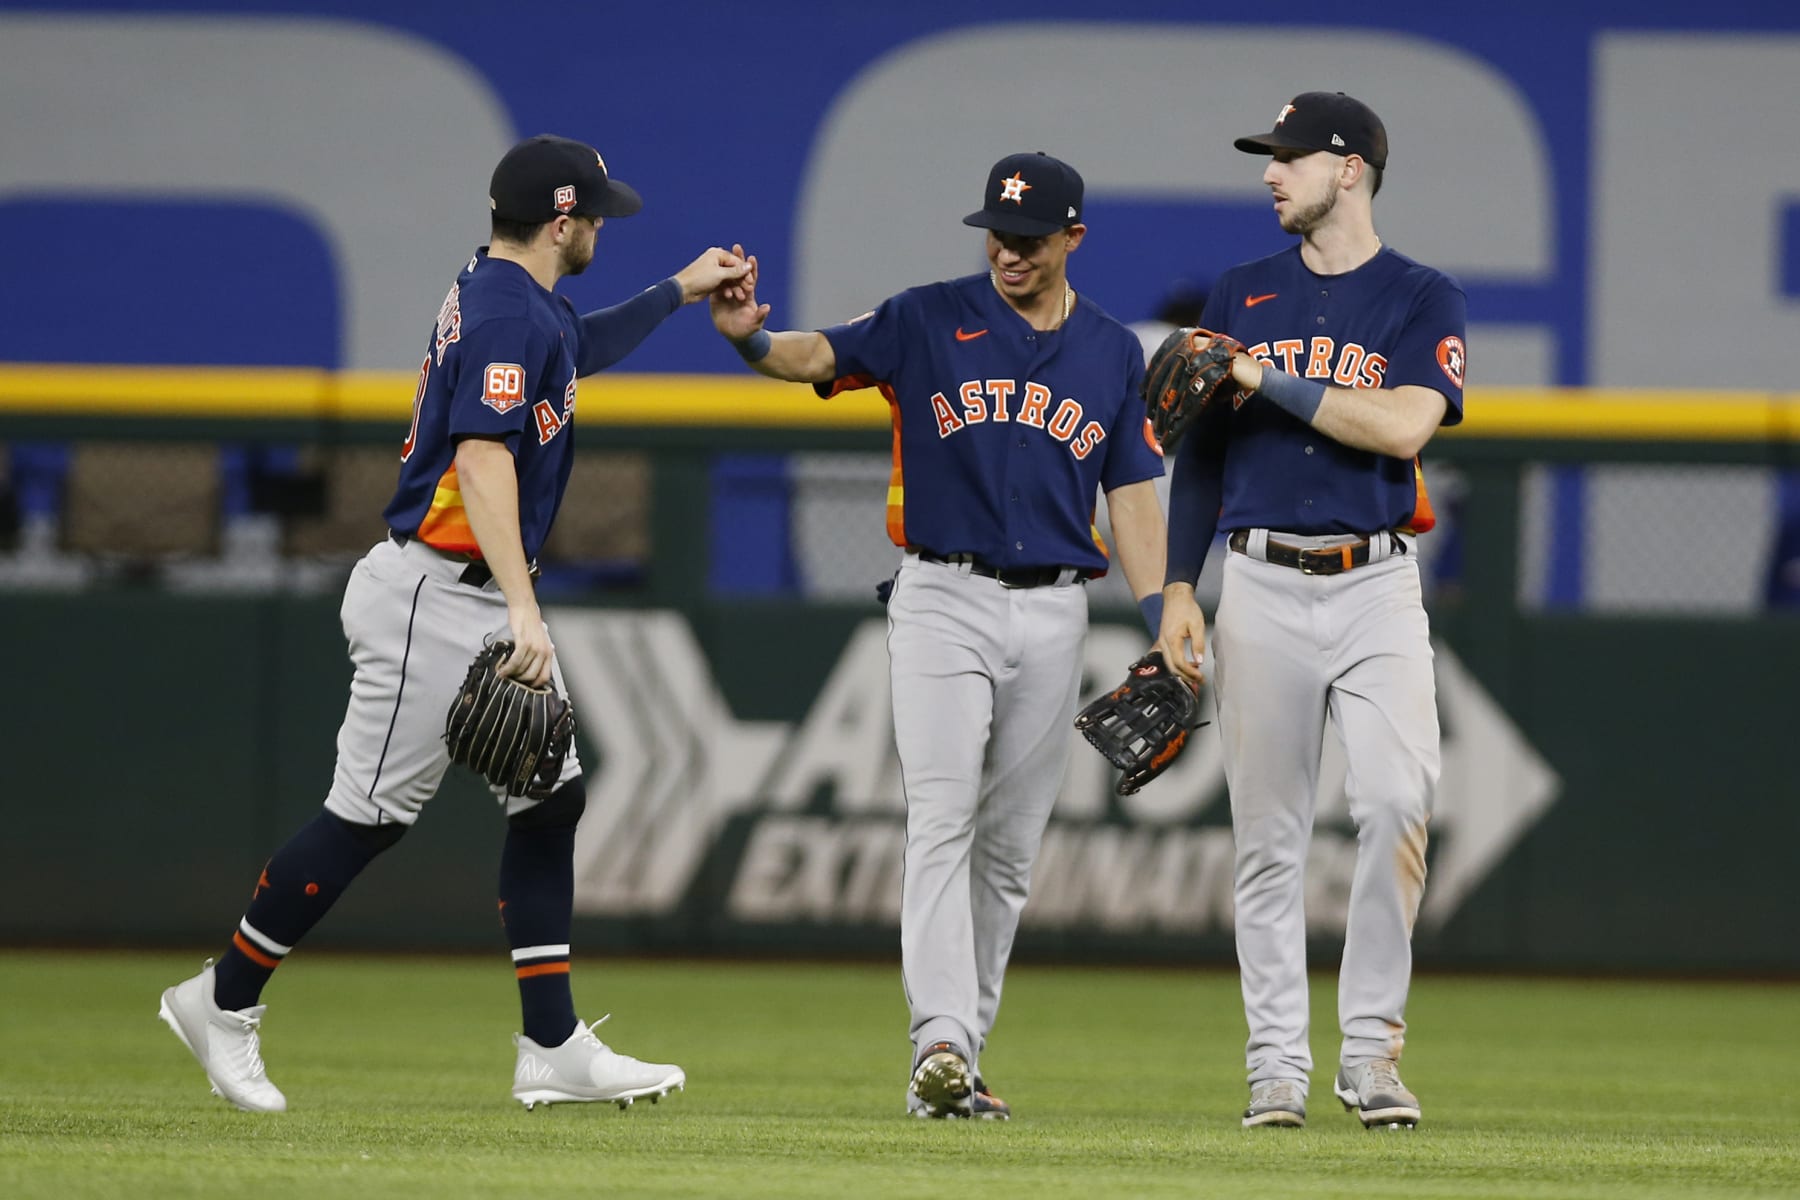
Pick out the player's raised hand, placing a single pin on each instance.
(740, 289)
(705, 274)
(735, 312)
(1183, 638)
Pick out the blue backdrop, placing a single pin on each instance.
(711, 110)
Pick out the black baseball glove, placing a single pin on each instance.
(510, 733)
(1186, 374)
(1141, 725)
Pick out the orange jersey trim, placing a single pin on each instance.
(1423, 518)
(896, 493)
(1099, 543)
(445, 525)
(549, 968)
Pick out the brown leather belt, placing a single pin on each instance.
(1318, 560)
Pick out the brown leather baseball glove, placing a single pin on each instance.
(1186, 374)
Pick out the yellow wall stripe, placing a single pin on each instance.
(750, 401)
(1626, 415)
(714, 401)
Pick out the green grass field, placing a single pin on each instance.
(1124, 1083)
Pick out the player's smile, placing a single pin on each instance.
(1025, 268)
(1011, 257)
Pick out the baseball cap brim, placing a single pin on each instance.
(1017, 223)
(619, 200)
(1268, 143)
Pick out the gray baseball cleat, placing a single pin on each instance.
(1373, 1091)
(226, 1043)
(942, 1085)
(985, 1106)
(585, 1069)
(1280, 1103)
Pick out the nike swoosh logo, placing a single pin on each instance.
(969, 337)
(1253, 301)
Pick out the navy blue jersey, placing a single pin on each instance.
(1388, 323)
(1002, 432)
(501, 364)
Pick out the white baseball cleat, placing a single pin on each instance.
(1373, 1091)
(584, 1069)
(225, 1042)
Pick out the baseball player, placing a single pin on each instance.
(482, 471)
(1013, 399)
(1354, 357)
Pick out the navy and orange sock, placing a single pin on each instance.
(297, 888)
(546, 1002)
(537, 894)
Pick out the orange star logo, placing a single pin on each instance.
(1283, 114)
(262, 881)
(1014, 189)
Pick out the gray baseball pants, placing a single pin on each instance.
(413, 629)
(984, 680)
(1289, 652)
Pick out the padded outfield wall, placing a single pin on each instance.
(1617, 792)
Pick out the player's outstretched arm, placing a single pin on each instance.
(609, 334)
(1393, 421)
(796, 356)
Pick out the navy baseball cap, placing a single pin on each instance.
(546, 177)
(1329, 121)
(1032, 195)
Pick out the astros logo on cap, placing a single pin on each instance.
(1014, 189)
(565, 198)
(1283, 114)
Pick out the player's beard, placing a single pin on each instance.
(1305, 220)
(576, 256)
